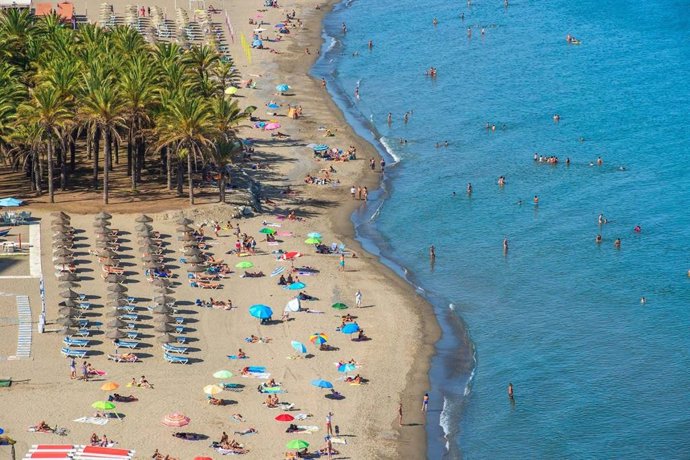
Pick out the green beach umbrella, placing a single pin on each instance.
(297, 444)
(244, 264)
(339, 306)
(312, 241)
(103, 405)
(267, 231)
(222, 374)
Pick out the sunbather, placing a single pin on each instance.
(247, 431)
(215, 401)
(187, 436)
(144, 383)
(241, 354)
(247, 274)
(119, 398)
(95, 440)
(43, 427)
(207, 285)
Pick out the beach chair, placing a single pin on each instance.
(180, 329)
(174, 349)
(132, 335)
(127, 344)
(129, 317)
(83, 333)
(127, 308)
(70, 342)
(84, 306)
(68, 352)
(175, 359)
(119, 359)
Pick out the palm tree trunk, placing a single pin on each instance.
(116, 148)
(39, 175)
(141, 156)
(130, 166)
(63, 166)
(221, 187)
(72, 155)
(190, 177)
(50, 171)
(180, 177)
(94, 150)
(107, 152)
(168, 166)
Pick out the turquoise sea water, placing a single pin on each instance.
(596, 373)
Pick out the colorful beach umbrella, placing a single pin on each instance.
(103, 405)
(267, 231)
(297, 444)
(244, 264)
(272, 126)
(212, 389)
(312, 240)
(222, 374)
(292, 255)
(350, 328)
(260, 311)
(296, 286)
(176, 420)
(230, 90)
(110, 386)
(284, 418)
(318, 338)
(347, 367)
(322, 383)
(314, 235)
(339, 306)
(299, 346)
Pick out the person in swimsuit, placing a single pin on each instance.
(425, 402)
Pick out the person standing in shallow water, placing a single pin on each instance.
(511, 395)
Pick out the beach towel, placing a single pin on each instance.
(92, 420)
(302, 416)
(284, 233)
(273, 243)
(308, 429)
(257, 375)
(256, 368)
(338, 440)
(273, 390)
(222, 451)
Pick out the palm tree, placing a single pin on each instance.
(49, 111)
(138, 85)
(103, 106)
(186, 124)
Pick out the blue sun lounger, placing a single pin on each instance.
(174, 349)
(175, 359)
(73, 353)
(70, 342)
(126, 344)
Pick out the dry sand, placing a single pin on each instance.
(400, 324)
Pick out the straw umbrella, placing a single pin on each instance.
(163, 327)
(68, 303)
(67, 331)
(184, 221)
(69, 294)
(163, 299)
(116, 323)
(68, 284)
(117, 288)
(68, 311)
(113, 314)
(62, 252)
(106, 252)
(166, 338)
(150, 258)
(115, 334)
(115, 296)
(103, 215)
(143, 219)
(161, 282)
(60, 214)
(68, 277)
(114, 278)
(195, 259)
(186, 237)
(67, 322)
(116, 303)
(162, 310)
(163, 290)
(143, 227)
(153, 265)
(192, 251)
(184, 229)
(195, 269)
(164, 319)
(100, 223)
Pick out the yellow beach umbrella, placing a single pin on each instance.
(212, 389)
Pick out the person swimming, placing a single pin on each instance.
(597, 240)
(617, 243)
(469, 188)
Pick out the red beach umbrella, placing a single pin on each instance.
(285, 418)
(203, 458)
(175, 419)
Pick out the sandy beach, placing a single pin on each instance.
(399, 324)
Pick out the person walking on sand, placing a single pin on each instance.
(358, 298)
(73, 367)
(341, 263)
(425, 402)
(329, 423)
(85, 371)
(400, 414)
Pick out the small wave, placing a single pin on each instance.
(444, 421)
(332, 43)
(470, 380)
(451, 306)
(419, 289)
(376, 213)
(389, 149)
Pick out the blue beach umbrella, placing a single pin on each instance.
(299, 346)
(1, 431)
(273, 105)
(260, 311)
(322, 383)
(350, 328)
(10, 202)
(296, 286)
(257, 43)
(320, 148)
(279, 25)
(316, 235)
(347, 367)
(282, 87)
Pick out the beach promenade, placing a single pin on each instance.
(398, 327)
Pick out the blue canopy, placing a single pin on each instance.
(347, 367)
(10, 202)
(260, 311)
(322, 383)
(350, 328)
(299, 346)
(282, 87)
(257, 43)
(273, 105)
